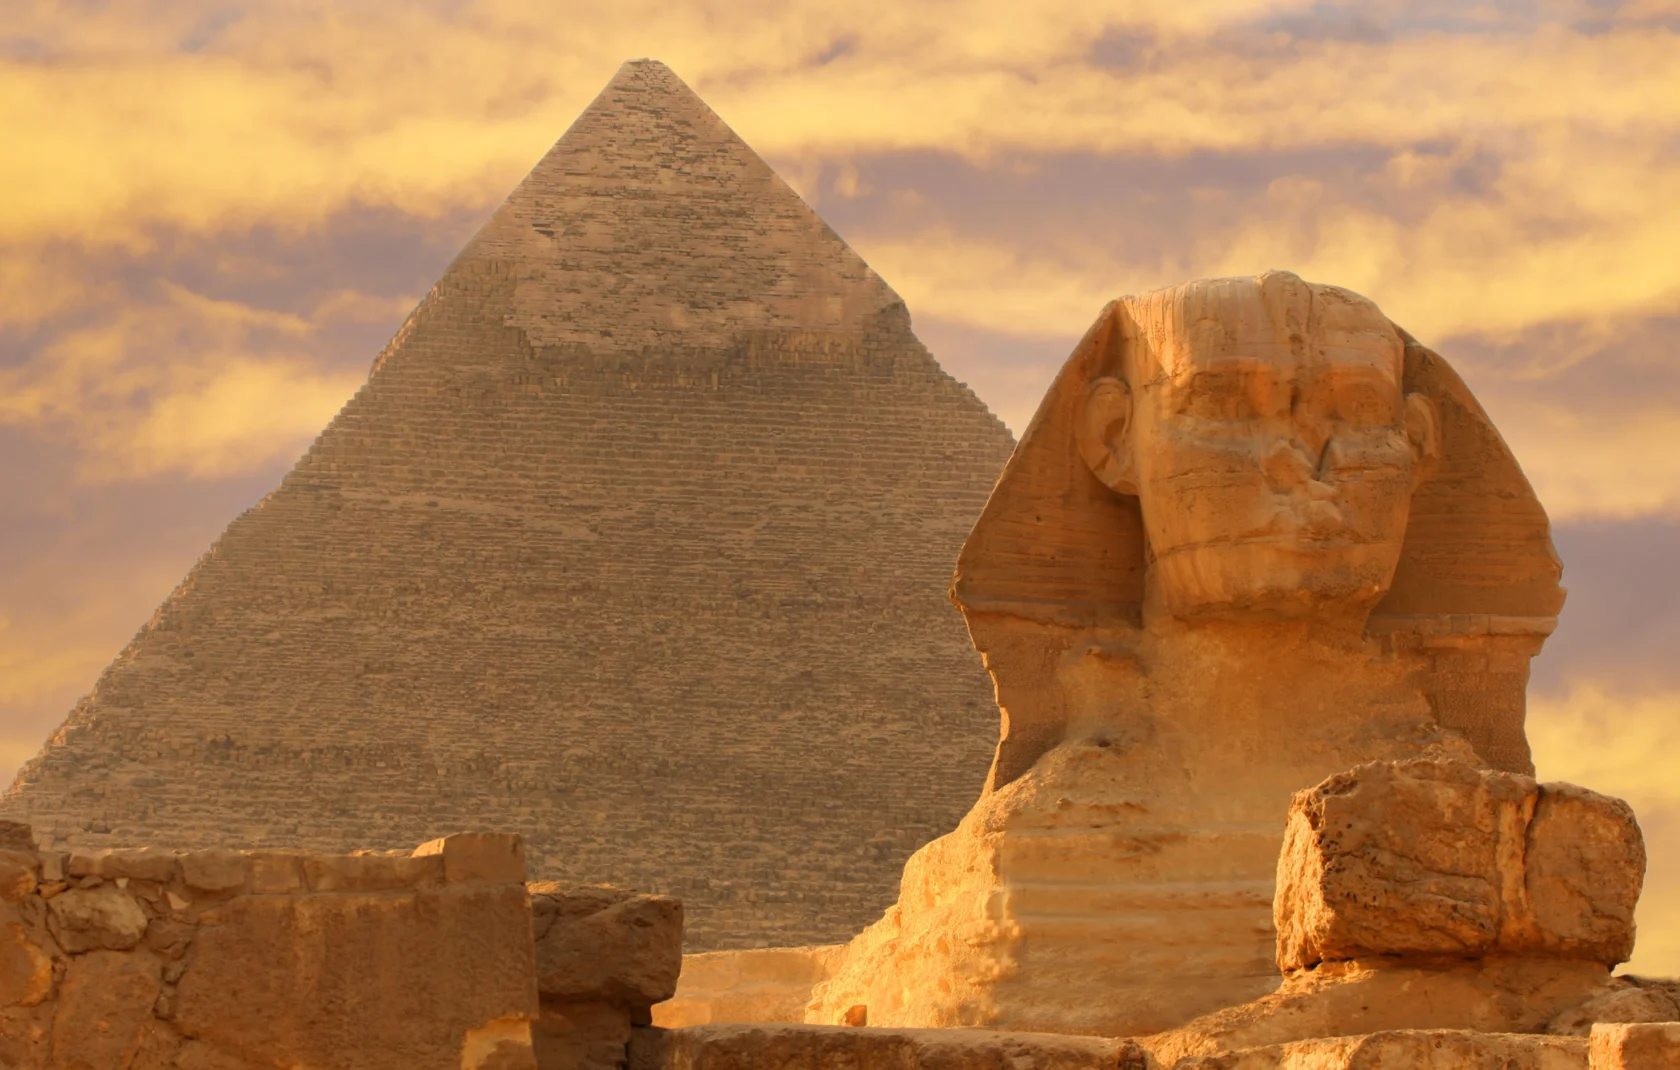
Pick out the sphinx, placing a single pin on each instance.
(1256, 534)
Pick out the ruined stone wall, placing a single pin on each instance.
(228, 960)
(636, 543)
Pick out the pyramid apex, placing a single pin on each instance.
(640, 69)
(651, 220)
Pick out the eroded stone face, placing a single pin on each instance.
(1263, 426)
(1254, 535)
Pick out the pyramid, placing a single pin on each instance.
(636, 541)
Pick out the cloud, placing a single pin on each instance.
(292, 110)
(185, 384)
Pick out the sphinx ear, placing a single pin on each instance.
(1105, 419)
(1423, 428)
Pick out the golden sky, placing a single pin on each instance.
(212, 215)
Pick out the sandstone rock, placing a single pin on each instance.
(370, 872)
(1407, 1050)
(142, 863)
(26, 970)
(581, 1036)
(215, 870)
(195, 1055)
(504, 1044)
(275, 872)
(18, 875)
(1582, 874)
(796, 1047)
(1644, 1046)
(105, 1010)
(369, 981)
(1425, 858)
(607, 944)
(1498, 995)
(16, 836)
(468, 857)
(1199, 585)
(1620, 1001)
(84, 919)
(771, 984)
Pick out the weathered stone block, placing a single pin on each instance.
(371, 981)
(609, 944)
(26, 970)
(1642, 1046)
(369, 872)
(468, 857)
(581, 1036)
(796, 1047)
(1426, 858)
(142, 864)
(105, 1010)
(1583, 872)
(772, 984)
(18, 875)
(275, 872)
(215, 870)
(84, 919)
(1406, 1049)
(1624, 999)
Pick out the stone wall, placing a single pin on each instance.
(248, 960)
(772, 984)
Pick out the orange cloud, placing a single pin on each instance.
(189, 385)
(297, 109)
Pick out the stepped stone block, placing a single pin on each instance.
(636, 542)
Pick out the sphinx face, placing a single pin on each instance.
(1273, 447)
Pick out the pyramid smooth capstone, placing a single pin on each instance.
(635, 542)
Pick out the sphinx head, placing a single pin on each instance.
(1264, 428)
